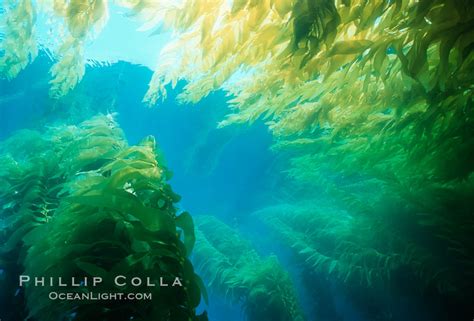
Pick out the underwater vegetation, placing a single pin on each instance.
(77, 201)
(231, 266)
(19, 38)
(371, 100)
(342, 247)
(70, 23)
(378, 87)
(370, 251)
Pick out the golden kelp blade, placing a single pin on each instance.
(19, 44)
(74, 22)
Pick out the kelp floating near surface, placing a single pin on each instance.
(78, 202)
(380, 86)
(286, 43)
(19, 44)
(70, 23)
(231, 267)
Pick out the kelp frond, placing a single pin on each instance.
(80, 202)
(233, 268)
(19, 44)
(356, 250)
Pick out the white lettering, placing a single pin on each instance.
(96, 280)
(136, 281)
(161, 282)
(177, 281)
(149, 283)
(39, 281)
(117, 282)
(24, 278)
(61, 282)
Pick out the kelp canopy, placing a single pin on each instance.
(389, 81)
(77, 201)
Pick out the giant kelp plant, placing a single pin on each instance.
(233, 268)
(342, 246)
(77, 201)
(373, 252)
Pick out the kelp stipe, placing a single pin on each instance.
(29, 197)
(105, 209)
(234, 269)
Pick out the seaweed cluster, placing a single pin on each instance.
(380, 250)
(77, 201)
(400, 70)
(70, 23)
(379, 87)
(234, 269)
(342, 247)
(19, 43)
(372, 100)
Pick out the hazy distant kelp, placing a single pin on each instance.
(234, 269)
(355, 249)
(376, 250)
(77, 201)
(25, 204)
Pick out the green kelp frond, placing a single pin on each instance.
(383, 88)
(355, 249)
(90, 205)
(233, 268)
(28, 199)
(377, 89)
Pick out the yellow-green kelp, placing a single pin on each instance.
(379, 87)
(234, 269)
(77, 201)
